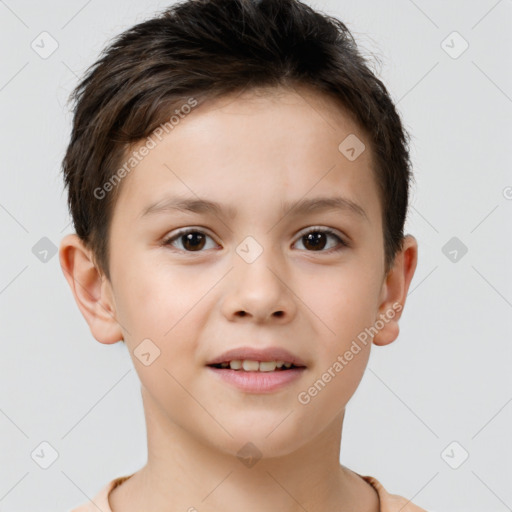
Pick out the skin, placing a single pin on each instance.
(249, 152)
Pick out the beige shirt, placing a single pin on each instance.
(388, 502)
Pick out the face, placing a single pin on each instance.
(190, 283)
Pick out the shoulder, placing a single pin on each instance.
(391, 502)
(100, 501)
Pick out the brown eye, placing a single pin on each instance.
(192, 240)
(317, 240)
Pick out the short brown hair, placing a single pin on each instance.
(206, 49)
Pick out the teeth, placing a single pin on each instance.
(267, 366)
(250, 366)
(255, 366)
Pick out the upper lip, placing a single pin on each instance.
(258, 354)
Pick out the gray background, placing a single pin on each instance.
(446, 378)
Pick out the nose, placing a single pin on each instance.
(259, 291)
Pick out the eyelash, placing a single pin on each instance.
(342, 243)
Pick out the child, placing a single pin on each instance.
(238, 181)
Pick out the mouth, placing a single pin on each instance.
(248, 365)
(252, 359)
(257, 371)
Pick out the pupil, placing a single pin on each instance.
(315, 240)
(191, 240)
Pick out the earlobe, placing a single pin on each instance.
(394, 292)
(89, 289)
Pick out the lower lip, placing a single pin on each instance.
(258, 382)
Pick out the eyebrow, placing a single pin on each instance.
(305, 206)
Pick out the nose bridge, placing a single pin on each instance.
(257, 284)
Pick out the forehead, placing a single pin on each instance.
(263, 146)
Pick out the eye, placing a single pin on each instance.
(192, 240)
(316, 239)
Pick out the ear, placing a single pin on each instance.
(394, 291)
(92, 290)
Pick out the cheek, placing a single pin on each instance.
(159, 308)
(166, 305)
(344, 300)
(331, 387)
(151, 299)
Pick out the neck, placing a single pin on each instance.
(185, 473)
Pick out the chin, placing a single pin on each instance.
(260, 440)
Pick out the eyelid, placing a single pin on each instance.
(180, 231)
(176, 234)
(344, 241)
(326, 229)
